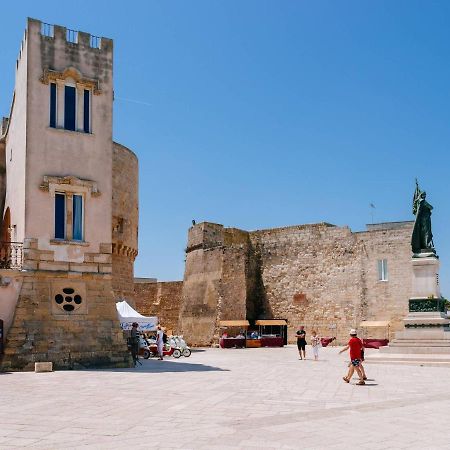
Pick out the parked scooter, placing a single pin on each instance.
(152, 349)
(181, 348)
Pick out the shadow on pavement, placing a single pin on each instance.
(156, 366)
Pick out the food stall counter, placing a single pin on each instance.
(230, 342)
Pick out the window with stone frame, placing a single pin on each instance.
(382, 270)
(69, 216)
(70, 107)
(53, 100)
(70, 100)
(70, 195)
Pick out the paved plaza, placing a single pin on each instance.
(228, 399)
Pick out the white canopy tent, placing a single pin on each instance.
(127, 315)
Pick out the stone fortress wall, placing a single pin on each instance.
(161, 299)
(125, 221)
(321, 276)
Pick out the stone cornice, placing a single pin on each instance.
(89, 185)
(55, 76)
(124, 250)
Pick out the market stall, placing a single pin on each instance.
(128, 315)
(272, 332)
(233, 333)
(375, 342)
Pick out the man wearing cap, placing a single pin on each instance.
(355, 345)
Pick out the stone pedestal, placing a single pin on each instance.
(425, 281)
(426, 335)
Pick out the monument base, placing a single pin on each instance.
(424, 340)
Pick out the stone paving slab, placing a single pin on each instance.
(228, 399)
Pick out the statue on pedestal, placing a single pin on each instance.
(422, 237)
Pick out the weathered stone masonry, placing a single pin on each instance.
(322, 276)
(125, 220)
(161, 299)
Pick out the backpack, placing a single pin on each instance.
(165, 338)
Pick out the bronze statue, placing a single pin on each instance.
(422, 237)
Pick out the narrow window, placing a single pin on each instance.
(77, 225)
(382, 270)
(69, 108)
(87, 108)
(60, 216)
(53, 105)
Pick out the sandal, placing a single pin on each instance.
(364, 378)
(346, 379)
(361, 383)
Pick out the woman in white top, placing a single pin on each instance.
(160, 341)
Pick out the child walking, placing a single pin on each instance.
(315, 343)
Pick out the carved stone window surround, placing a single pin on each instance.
(81, 82)
(69, 184)
(67, 242)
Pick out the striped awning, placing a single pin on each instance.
(234, 323)
(271, 322)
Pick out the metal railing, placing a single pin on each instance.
(95, 41)
(72, 36)
(11, 255)
(47, 29)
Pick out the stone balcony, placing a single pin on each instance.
(11, 255)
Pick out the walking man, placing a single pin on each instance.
(355, 345)
(301, 342)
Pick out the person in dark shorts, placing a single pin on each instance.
(135, 343)
(301, 342)
(355, 345)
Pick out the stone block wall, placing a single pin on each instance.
(321, 276)
(387, 300)
(123, 278)
(125, 221)
(311, 276)
(161, 299)
(42, 331)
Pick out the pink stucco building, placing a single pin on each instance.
(68, 204)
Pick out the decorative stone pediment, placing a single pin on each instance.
(73, 73)
(69, 183)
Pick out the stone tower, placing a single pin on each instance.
(59, 305)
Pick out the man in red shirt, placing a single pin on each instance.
(355, 345)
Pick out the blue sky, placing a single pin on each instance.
(259, 114)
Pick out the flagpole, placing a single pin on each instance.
(372, 207)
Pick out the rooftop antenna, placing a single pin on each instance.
(372, 209)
